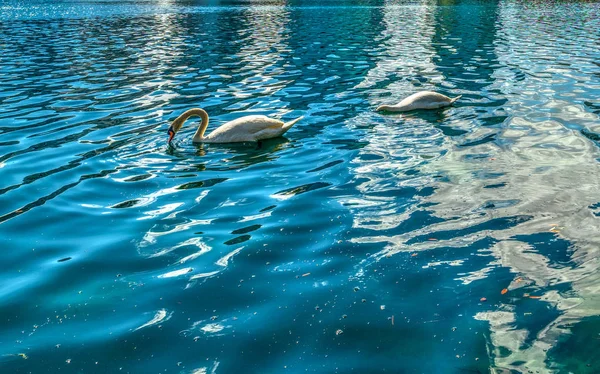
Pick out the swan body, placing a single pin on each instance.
(244, 129)
(420, 100)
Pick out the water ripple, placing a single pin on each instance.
(463, 236)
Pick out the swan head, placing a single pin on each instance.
(174, 128)
(171, 133)
(383, 107)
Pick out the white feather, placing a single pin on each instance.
(420, 100)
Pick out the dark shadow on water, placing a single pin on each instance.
(231, 155)
(578, 352)
(326, 166)
(267, 145)
(485, 139)
(126, 204)
(201, 184)
(238, 240)
(425, 114)
(302, 189)
(247, 229)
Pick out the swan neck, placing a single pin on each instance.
(386, 107)
(196, 112)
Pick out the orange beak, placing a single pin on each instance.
(171, 133)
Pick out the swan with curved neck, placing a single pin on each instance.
(244, 129)
(420, 100)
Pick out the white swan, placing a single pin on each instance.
(420, 100)
(244, 129)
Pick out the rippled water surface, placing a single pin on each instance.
(462, 240)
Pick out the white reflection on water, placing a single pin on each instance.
(552, 174)
(399, 142)
(541, 169)
(208, 328)
(176, 273)
(160, 316)
(204, 370)
(204, 248)
(260, 60)
(150, 237)
(223, 261)
(408, 53)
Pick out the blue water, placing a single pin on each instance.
(462, 240)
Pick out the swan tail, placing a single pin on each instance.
(288, 125)
(452, 101)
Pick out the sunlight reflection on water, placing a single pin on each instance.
(462, 237)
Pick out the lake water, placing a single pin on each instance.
(462, 240)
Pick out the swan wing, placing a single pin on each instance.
(248, 128)
(425, 98)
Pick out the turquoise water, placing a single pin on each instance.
(463, 240)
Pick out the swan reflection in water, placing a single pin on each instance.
(226, 156)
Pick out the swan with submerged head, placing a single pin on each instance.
(420, 100)
(244, 129)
